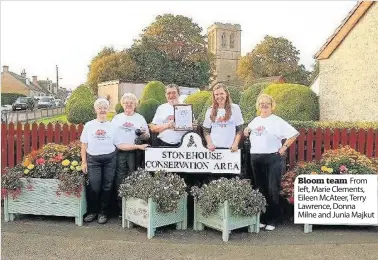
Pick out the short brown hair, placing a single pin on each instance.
(173, 86)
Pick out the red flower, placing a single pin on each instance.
(40, 161)
(59, 157)
(290, 200)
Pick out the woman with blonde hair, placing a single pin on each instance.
(223, 122)
(126, 124)
(266, 133)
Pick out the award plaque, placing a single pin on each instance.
(183, 117)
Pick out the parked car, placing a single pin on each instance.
(46, 102)
(23, 103)
(58, 102)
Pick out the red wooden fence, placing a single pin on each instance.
(18, 140)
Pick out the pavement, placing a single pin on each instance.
(50, 238)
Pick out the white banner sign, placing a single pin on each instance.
(191, 156)
(336, 200)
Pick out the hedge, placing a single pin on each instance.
(148, 108)
(198, 100)
(10, 98)
(294, 101)
(154, 90)
(248, 100)
(80, 94)
(119, 108)
(235, 94)
(81, 112)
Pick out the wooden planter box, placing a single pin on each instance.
(43, 200)
(224, 221)
(142, 213)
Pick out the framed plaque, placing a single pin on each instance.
(183, 117)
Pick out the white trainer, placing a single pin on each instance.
(262, 225)
(270, 228)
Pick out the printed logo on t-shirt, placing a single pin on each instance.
(259, 131)
(169, 118)
(100, 134)
(128, 126)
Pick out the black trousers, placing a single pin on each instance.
(101, 173)
(267, 171)
(125, 166)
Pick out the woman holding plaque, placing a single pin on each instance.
(163, 121)
(127, 125)
(223, 122)
(266, 133)
(99, 161)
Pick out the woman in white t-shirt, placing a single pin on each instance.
(126, 125)
(163, 121)
(99, 161)
(266, 133)
(223, 121)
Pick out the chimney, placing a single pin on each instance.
(23, 73)
(35, 80)
(5, 68)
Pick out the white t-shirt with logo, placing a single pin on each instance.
(223, 132)
(126, 125)
(99, 136)
(163, 115)
(267, 133)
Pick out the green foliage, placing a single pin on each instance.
(242, 199)
(165, 189)
(294, 102)
(81, 112)
(235, 94)
(248, 100)
(148, 108)
(10, 98)
(154, 90)
(206, 106)
(119, 108)
(314, 72)
(333, 125)
(172, 49)
(80, 94)
(273, 57)
(198, 100)
(110, 65)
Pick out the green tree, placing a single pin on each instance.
(108, 65)
(314, 72)
(198, 100)
(173, 50)
(79, 107)
(154, 90)
(273, 57)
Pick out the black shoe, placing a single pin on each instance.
(90, 217)
(102, 219)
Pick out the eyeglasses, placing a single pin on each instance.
(261, 104)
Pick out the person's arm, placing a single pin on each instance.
(239, 128)
(207, 129)
(83, 152)
(290, 133)
(161, 127)
(287, 144)
(131, 147)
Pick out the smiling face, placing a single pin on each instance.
(220, 96)
(172, 95)
(101, 111)
(128, 106)
(265, 105)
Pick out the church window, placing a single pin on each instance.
(232, 41)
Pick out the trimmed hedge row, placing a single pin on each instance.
(10, 98)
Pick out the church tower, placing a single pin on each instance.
(224, 41)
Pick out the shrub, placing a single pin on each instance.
(294, 102)
(80, 94)
(155, 90)
(242, 199)
(248, 100)
(165, 189)
(205, 107)
(148, 108)
(10, 98)
(119, 108)
(235, 94)
(81, 112)
(198, 100)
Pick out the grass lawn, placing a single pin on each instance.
(63, 119)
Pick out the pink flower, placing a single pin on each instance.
(40, 161)
(343, 168)
(290, 200)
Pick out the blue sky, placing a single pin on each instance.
(38, 35)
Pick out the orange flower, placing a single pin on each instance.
(26, 162)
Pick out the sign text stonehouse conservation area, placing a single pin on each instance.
(193, 157)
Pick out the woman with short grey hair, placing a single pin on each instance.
(98, 161)
(126, 124)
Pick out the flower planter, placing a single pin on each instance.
(42, 199)
(142, 213)
(224, 221)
